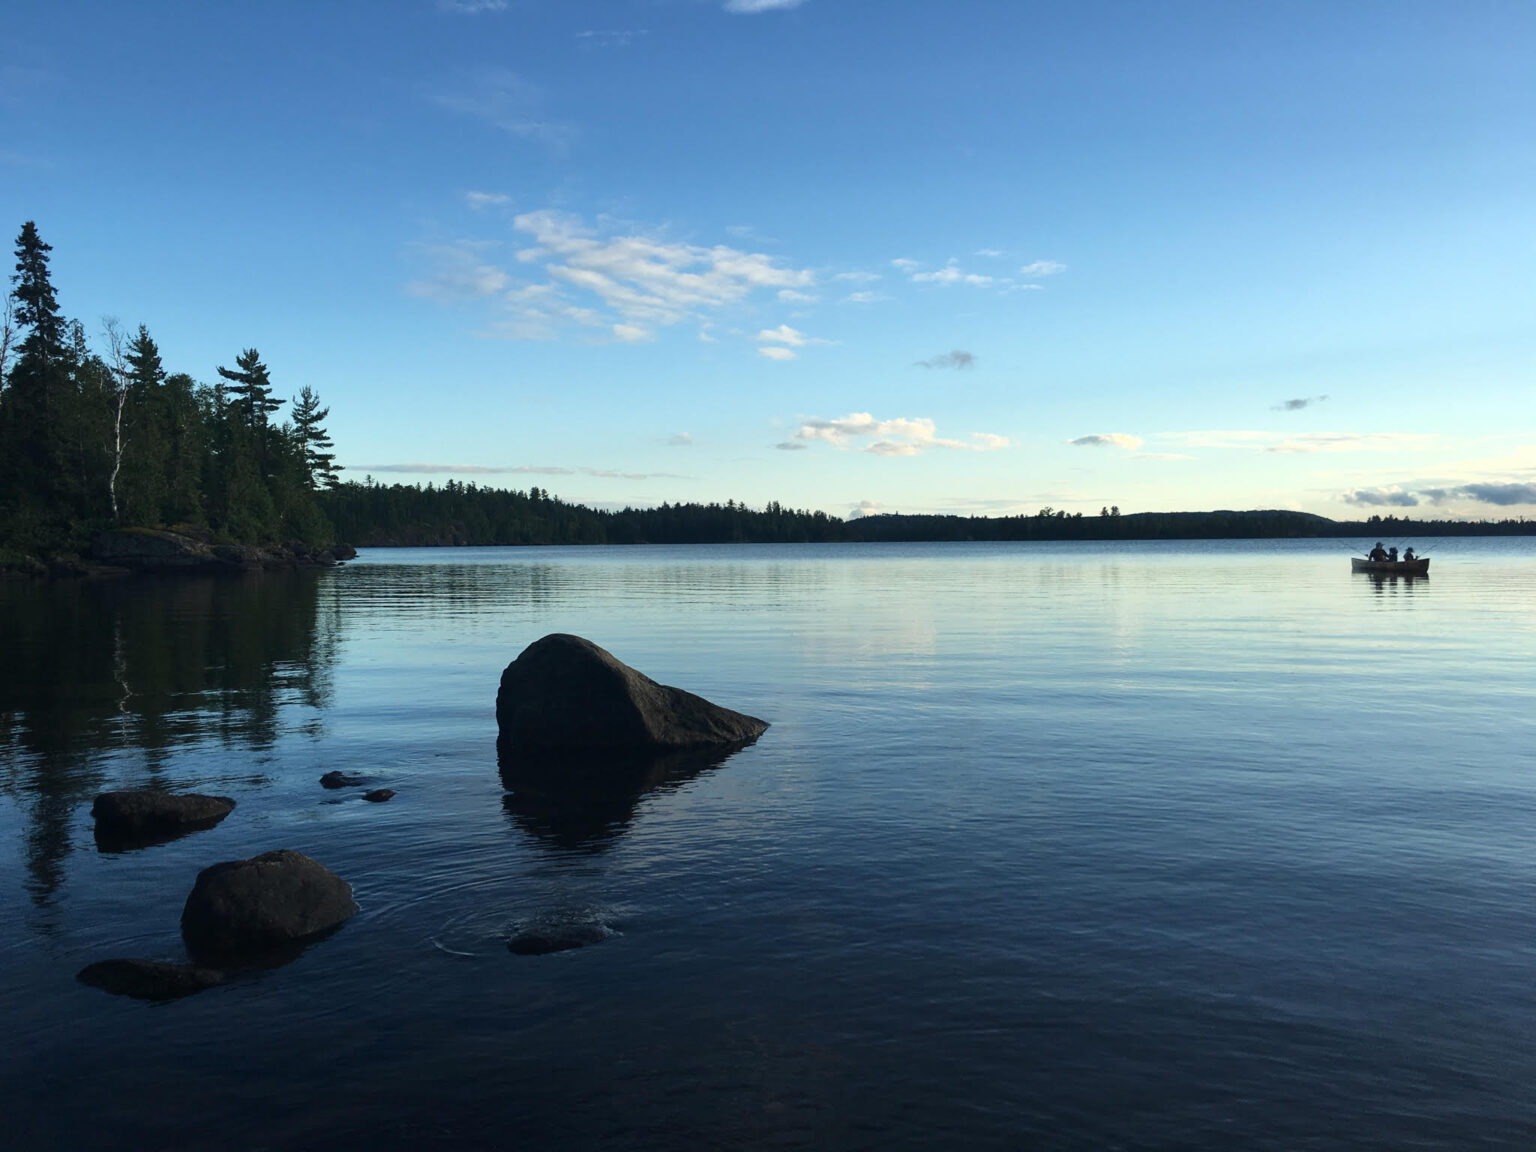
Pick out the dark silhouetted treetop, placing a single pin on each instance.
(250, 389)
(37, 307)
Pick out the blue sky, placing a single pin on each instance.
(844, 254)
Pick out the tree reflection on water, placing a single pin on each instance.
(103, 680)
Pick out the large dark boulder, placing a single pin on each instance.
(266, 907)
(138, 818)
(565, 694)
(148, 979)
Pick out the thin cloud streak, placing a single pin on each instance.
(515, 470)
(1107, 440)
(958, 360)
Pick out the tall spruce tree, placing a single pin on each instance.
(37, 307)
(313, 440)
(41, 485)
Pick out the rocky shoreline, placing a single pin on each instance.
(127, 551)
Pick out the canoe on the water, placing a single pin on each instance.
(1391, 567)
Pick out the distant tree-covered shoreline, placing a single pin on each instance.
(369, 514)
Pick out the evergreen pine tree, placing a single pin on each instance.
(313, 440)
(250, 390)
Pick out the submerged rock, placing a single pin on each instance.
(148, 979)
(342, 780)
(564, 693)
(138, 818)
(248, 910)
(379, 795)
(561, 938)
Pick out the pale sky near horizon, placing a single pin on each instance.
(900, 255)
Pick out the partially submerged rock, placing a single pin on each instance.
(557, 938)
(261, 908)
(379, 795)
(342, 780)
(139, 817)
(564, 693)
(148, 979)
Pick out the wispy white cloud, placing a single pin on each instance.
(903, 264)
(864, 298)
(784, 334)
(504, 100)
(859, 277)
(626, 282)
(989, 253)
(791, 446)
(680, 440)
(611, 38)
(458, 272)
(902, 436)
(950, 275)
(478, 200)
(470, 7)
(752, 7)
(1108, 440)
(790, 296)
(774, 353)
(1350, 442)
(1312, 442)
(1040, 268)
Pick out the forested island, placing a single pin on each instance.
(108, 459)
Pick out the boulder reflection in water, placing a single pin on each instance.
(584, 802)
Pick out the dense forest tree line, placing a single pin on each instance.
(382, 515)
(108, 437)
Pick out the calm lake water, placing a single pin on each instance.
(1189, 845)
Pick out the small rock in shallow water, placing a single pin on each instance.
(148, 979)
(273, 903)
(342, 780)
(138, 818)
(379, 795)
(561, 939)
